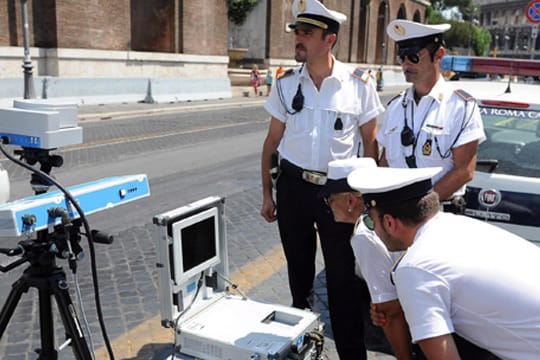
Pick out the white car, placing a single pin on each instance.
(505, 189)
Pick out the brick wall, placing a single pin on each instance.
(93, 24)
(204, 27)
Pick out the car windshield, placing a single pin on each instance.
(513, 140)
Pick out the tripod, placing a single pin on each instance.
(44, 274)
(50, 280)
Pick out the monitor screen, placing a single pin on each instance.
(195, 245)
(198, 243)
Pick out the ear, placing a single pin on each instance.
(439, 54)
(331, 39)
(391, 224)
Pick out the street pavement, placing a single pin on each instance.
(129, 280)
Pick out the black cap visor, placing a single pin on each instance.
(335, 187)
(316, 21)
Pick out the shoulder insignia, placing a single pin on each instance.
(360, 74)
(287, 73)
(394, 98)
(464, 95)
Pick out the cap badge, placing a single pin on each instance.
(436, 39)
(399, 30)
(301, 6)
(373, 203)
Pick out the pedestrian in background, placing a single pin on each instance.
(455, 274)
(322, 110)
(255, 79)
(269, 80)
(279, 71)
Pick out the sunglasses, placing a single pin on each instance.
(413, 58)
(368, 221)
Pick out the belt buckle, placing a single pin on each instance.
(313, 177)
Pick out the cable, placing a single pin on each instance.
(199, 286)
(83, 315)
(88, 234)
(233, 285)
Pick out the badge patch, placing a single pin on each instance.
(426, 148)
(399, 30)
(301, 6)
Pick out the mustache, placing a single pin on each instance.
(300, 47)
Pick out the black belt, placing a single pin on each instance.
(311, 176)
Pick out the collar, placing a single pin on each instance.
(339, 71)
(438, 91)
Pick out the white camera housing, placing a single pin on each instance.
(41, 124)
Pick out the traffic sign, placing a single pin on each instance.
(532, 11)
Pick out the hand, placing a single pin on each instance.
(377, 318)
(268, 211)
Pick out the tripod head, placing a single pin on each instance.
(47, 161)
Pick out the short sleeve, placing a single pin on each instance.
(473, 128)
(426, 302)
(374, 262)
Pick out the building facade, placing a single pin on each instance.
(179, 38)
(512, 34)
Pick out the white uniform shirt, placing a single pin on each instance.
(476, 279)
(374, 261)
(442, 120)
(310, 140)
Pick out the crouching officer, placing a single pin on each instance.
(321, 111)
(430, 124)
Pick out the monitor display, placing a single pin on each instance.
(195, 245)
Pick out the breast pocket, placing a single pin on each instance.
(344, 134)
(394, 150)
(434, 142)
(300, 123)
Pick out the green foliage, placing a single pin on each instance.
(463, 6)
(434, 16)
(481, 41)
(239, 10)
(462, 34)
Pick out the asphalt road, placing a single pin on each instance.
(188, 151)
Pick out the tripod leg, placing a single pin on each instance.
(72, 325)
(18, 288)
(46, 325)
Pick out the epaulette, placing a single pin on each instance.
(360, 74)
(464, 95)
(287, 73)
(394, 98)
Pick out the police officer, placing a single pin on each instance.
(456, 274)
(430, 124)
(321, 111)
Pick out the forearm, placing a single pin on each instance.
(268, 150)
(397, 333)
(368, 132)
(461, 173)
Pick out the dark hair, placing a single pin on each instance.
(432, 49)
(326, 32)
(414, 211)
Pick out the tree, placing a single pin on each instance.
(238, 10)
(462, 34)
